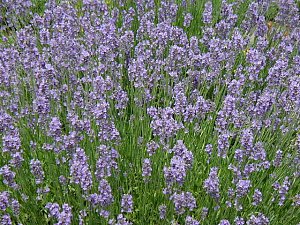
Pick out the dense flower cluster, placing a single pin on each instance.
(182, 201)
(127, 203)
(149, 112)
(63, 216)
(12, 13)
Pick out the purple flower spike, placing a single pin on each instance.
(211, 184)
(224, 222)
(127, 203)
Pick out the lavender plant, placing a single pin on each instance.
(149, 112)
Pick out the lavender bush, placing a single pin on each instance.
(150, 112)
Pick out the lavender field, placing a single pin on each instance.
(150, 112)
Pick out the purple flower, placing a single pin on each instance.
(82, 215)
(54, 209)
(6, 220)
(152, 147)
(176, 173)
(265, 102)
(121, 220)
(146, 168)
(260, 219)
(288, 13)
(248, 169)
(121, 99)
(223, 144)
(8, 177)
(16, 159)
(257, 197)
(239, 221)
(224, 222)
(127, 203)
(182, 201)
(239, 155)
(62, 180)
(163, 123)
(180, 163)
(79, 170)
(41, 105)
(55, 128)
(191, 221)
(211, 184)
(238, 43)
(107, 162)
(105, 193)
(187, 20)
(11, 142)
(13, 12)
(180, 150)
(64, 217)
(204, 213)
(162, 211)
(208, 149)
(251, 17)
(262, 27)
(15, 205)
(294, 89)
(247, 140)
(296, 200)
(37, 171)
(108, 131)
(258, 152)
(4, 200)
(167, 12)
(105, 197)
(242, 188)
(282, 190)
(278, 158)
(207, 13)
(257, 62)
